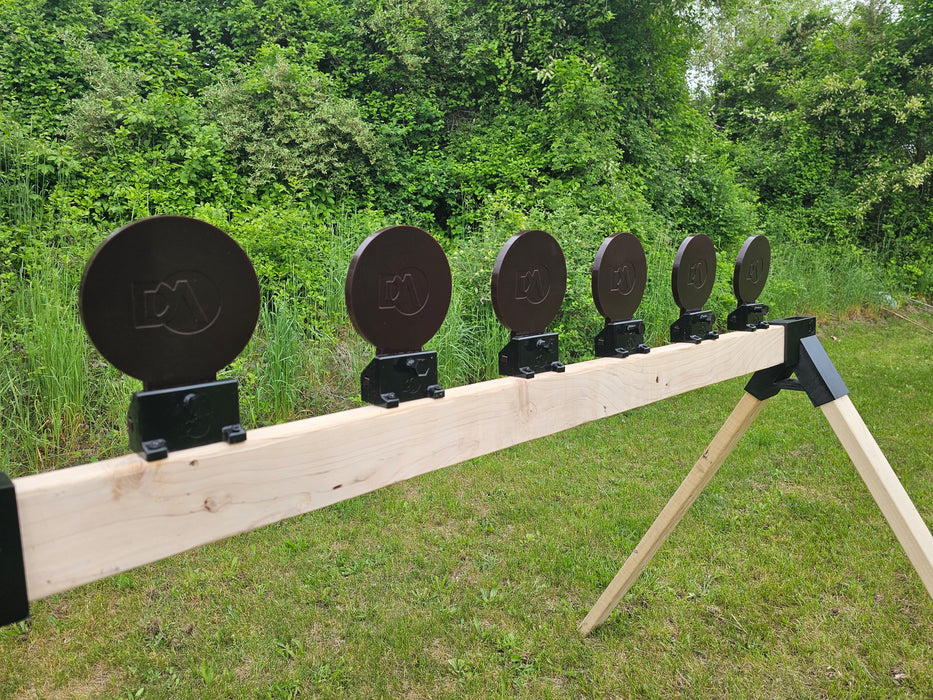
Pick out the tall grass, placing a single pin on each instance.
(283, 360)
(467, 344)
(25, 178)
(826, 279)
(56, 393)
(55, 345)
(657, 307)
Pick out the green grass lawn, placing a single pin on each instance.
(783, 580)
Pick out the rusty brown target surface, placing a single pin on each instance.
(529, 279)
(694, 272)
(751, 269)
(619, 276)
(169, 300)
(398, 289)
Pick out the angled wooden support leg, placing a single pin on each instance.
(703, 471)
(818, 376)
(884, 486)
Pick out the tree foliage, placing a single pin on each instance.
(284, 125)
(832, 123)
(448, 113)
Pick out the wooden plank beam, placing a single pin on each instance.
(89, 522)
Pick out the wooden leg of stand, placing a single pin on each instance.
(884, 486)
(726, 439)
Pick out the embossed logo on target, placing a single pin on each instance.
(698, 274)
(406, 291)
(184, 303)
(755, 270)
(533, 285)
(623, 279)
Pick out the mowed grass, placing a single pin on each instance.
(784, 580)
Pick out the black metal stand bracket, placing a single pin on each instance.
(621, 339)
(526, 354)
(389, 379)
(14, 603)
(693, 327)
(748, 317)
(176, 418)
(804, 357)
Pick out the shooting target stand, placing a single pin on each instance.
(171, 300)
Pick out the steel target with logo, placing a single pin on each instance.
(750, 274)
(618, 278)
(752, 266)
(397, 291)
(171, 300)
(694, 272)
(529, 279)
(692, 281)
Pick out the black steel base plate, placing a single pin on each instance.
(389, 379)
(14, 604)
(693, 327)
(621, 339)
(748, 317)
(176, 418)
(527, 354)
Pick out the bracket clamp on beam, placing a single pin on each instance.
(14, 603)
(526, 355)
(804, 357)
(389, 379)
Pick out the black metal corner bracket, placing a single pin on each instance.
(804, 357)
(14, 603)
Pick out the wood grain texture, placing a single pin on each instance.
(689, 490)
(89, 522)
(884, 486)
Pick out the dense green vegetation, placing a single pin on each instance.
(301, 126)
(831, 123)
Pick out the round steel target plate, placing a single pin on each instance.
(619, 276)
(751, 269)
(169, 300)
(529, 279)
(398, 289)
(694, 272)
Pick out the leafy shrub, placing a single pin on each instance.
(286, 126)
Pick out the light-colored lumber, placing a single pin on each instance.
(692, 486)
(88, 522)
(884, 486)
